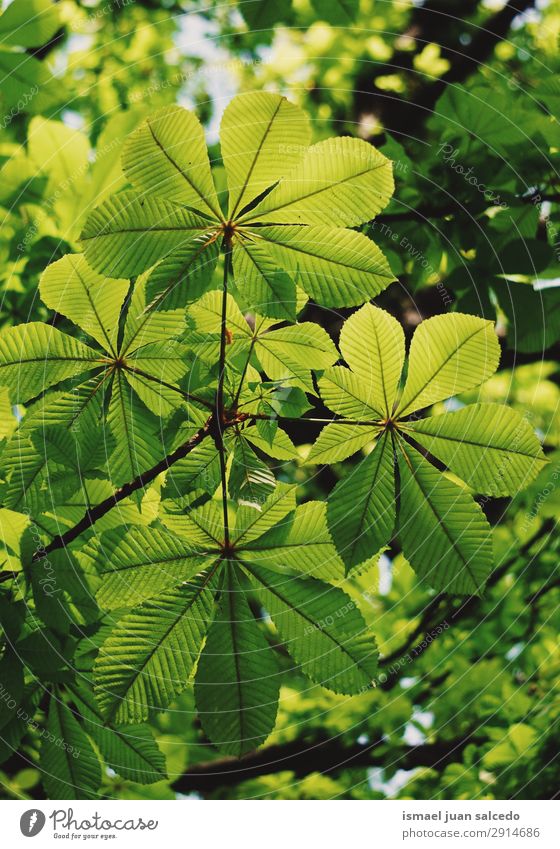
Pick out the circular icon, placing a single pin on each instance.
(32, 822)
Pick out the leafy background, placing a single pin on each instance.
(463, 97)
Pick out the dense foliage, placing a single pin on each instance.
(247, 512)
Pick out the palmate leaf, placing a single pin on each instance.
(237, 680)
(321, 627)
(143, 327)
(166, 155)
(349, 395)
(149, 656)
(250, 479)
(198, 471)
(183, 276)
(250, 524)
(35, 356)
(492, 448)
(443, 532)
(264, 138)
(70, 768)
(279, 446)
(341, 179)
(489, 447)
(361, 508)
(262, 135)
(155, 371)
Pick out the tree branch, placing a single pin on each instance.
(139, 482)
(220, 409)
(321, 755)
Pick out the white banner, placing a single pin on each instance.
(383, 824)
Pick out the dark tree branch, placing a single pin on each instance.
(323, 755)
(139, 482)
(220, 408)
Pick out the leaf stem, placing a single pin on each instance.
(220, 417)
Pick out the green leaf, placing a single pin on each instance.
(61, 153)
(251, 523)
(262, 16)
(337, 442)
(11, 678)
(280, 446)
(202, 527)
(336, 267)
(237, 680)
(266, 287)
(337, 12)
(34, 356)
(361, 508)
(340, 182)
(135, 430)
(130, 750)
(250, 480)
(372, 343)
(290, 352)
(448, 355)
(91, 301)
(166, 156)
(139, 563)
(23, 79)
(262, 136)
(12, 536)
(8, 421)
(29, 23)
(199, 470)
(143, 327)
(443, 532)
(155, 372)
(78, 412)
(128, 233)
(70, 768)
(349, 395)
(183, 277)
(491, 447)
(302, 545)
(149, 656)
(322, 629)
